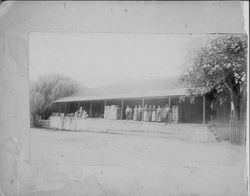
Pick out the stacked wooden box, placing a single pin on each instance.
(112, 112)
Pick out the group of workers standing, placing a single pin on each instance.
(149, 113)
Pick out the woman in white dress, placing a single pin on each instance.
(139, 113)
(158, 113)
(135, 113)
(127, 113)
(145, 113)
(154, 114)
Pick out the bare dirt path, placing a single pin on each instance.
(78, 163)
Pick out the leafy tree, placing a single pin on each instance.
(220, 67)
(47, 89)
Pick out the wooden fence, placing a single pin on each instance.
(42, 123)
(237, 131)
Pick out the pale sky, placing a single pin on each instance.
(97, 59)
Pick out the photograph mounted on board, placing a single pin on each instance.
(129, 98)
(124, 98)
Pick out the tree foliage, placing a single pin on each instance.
(219, 67)
(47, 89)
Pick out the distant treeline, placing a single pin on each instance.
(47, 89)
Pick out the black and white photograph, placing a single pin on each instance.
(124, 98)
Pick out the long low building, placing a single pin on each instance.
(153, 92)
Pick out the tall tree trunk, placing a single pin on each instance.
(235, 102)
(232, 109)
(237, 115)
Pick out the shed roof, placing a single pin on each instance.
(144, 89)
(148, 94)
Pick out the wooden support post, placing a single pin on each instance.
(169, 102)
(104, 111)
(78, 107)
(122, 110)
(143, 102)
(65, 108)
(204, 109)
(68, 108)
(90, 109)
(60, 107)
(53, 107)
(57, 107)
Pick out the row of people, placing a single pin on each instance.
(149, 113)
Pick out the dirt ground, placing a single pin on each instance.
(133, 164)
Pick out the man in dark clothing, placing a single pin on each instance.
(167, 113)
